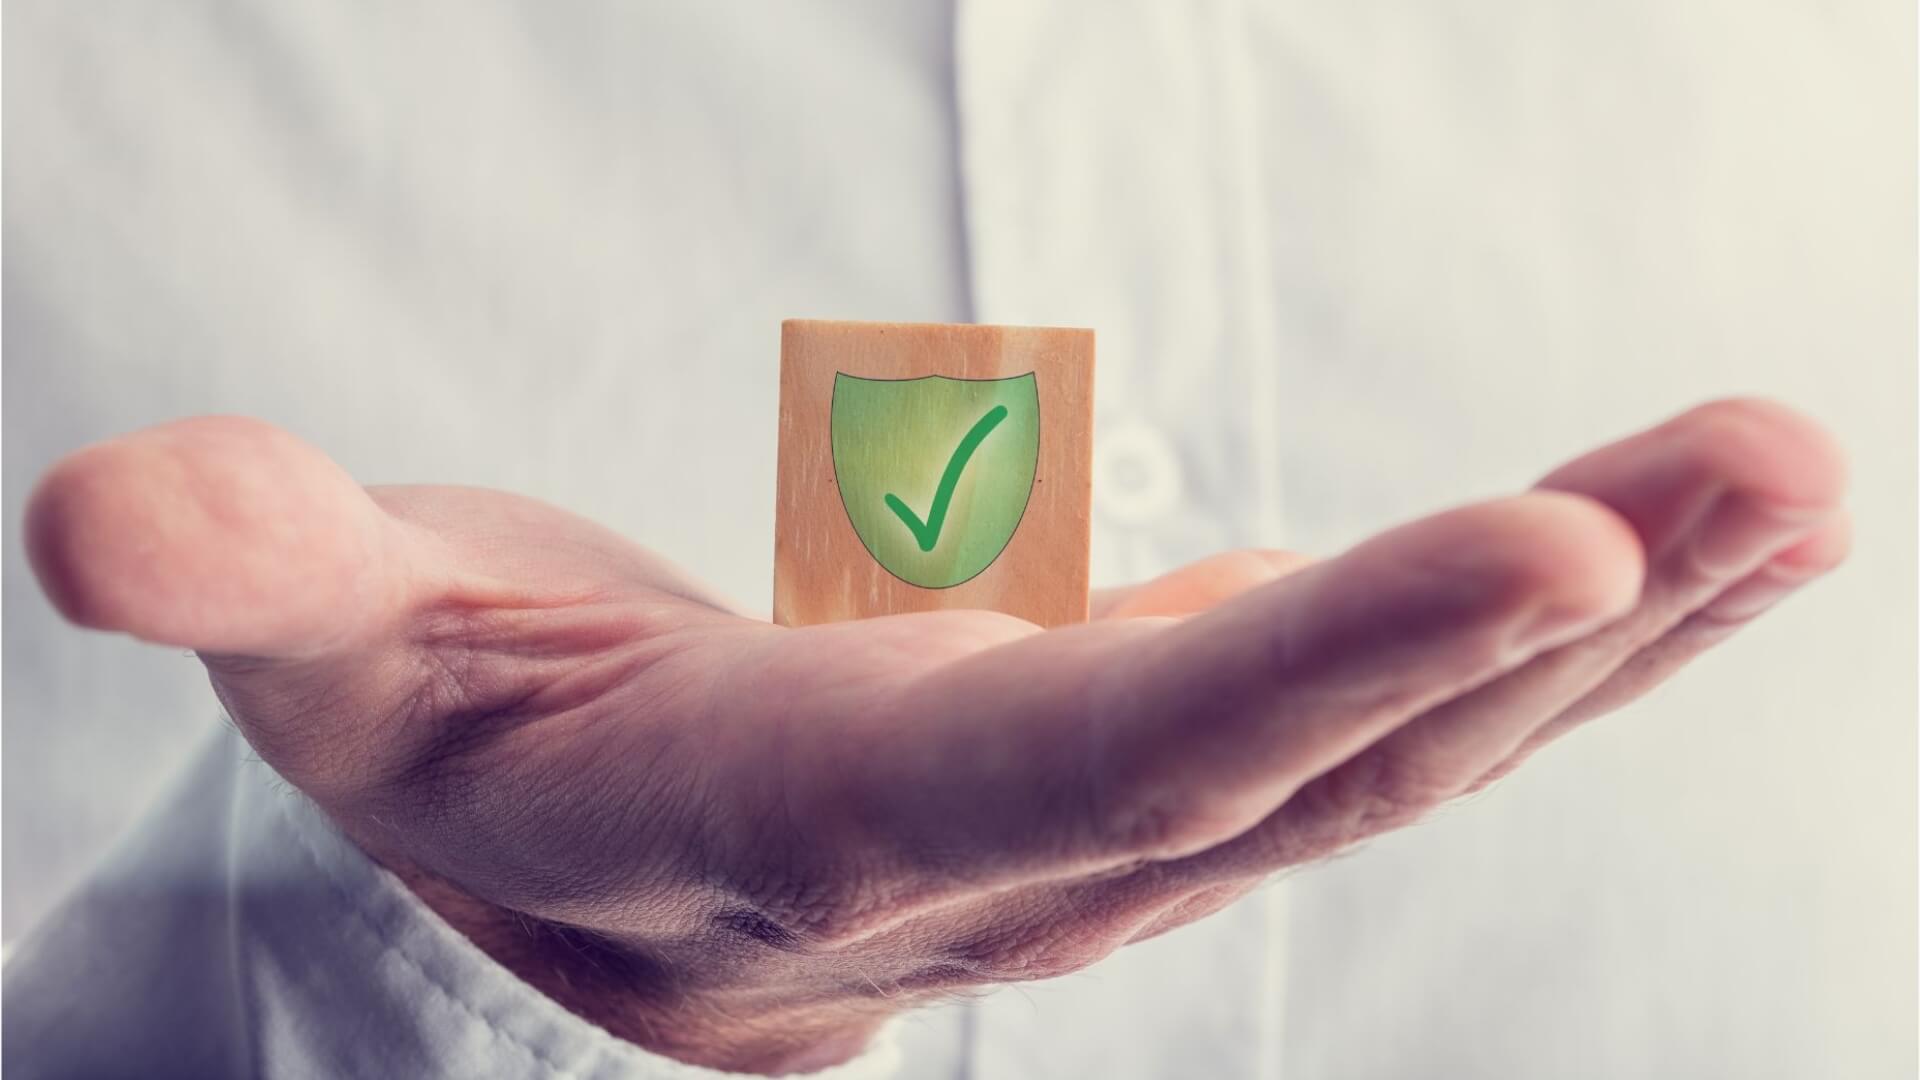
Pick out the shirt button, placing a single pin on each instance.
(1136, 475)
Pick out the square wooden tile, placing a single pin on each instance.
(927, 466)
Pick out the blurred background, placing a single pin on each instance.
(545, 248)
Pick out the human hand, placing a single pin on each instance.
(745, 846)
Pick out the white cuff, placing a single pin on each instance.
(389, 963)
(237, 933)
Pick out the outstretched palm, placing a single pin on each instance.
(746, 845)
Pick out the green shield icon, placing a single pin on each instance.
(935, 472)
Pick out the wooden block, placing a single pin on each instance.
(928, 466)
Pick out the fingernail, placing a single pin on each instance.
(1760, 591)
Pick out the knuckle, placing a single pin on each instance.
(1024, 957)
(1283, 841)
(1380, 791)
(1137, 826)
(1162, 826)
(1158, 812)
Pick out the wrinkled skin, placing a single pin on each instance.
(746, 846)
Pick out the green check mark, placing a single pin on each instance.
(927, 533)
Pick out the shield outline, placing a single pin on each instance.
(840, 489)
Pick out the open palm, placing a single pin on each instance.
(746, 845)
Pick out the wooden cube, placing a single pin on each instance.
(929, 466)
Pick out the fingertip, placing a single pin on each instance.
(1597, 563)
(56, 520)
(1570, 559)
(1769, 451)
(1783, 574)
(222, 534)
(1822, 551)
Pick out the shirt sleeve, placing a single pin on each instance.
(237, 933)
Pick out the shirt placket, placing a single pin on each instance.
(1108, 182)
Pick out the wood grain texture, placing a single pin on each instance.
(822, 570)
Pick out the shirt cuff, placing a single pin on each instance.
(345, 969)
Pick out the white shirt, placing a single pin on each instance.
(1347, 263)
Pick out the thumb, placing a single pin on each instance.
(220, 534)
